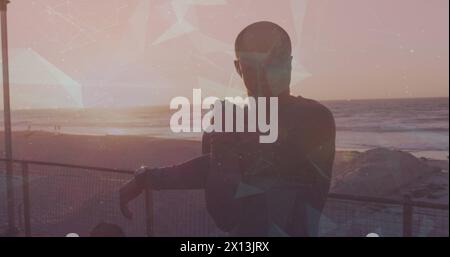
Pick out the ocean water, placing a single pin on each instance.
(420, 126)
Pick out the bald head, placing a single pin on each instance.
(263, 37)
(263, 53)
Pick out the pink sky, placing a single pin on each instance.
(140, 52)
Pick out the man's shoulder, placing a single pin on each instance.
(312, 107)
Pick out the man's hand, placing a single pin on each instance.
(128, 192)
(131, 190)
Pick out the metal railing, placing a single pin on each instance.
(359, 214)
(48, 175)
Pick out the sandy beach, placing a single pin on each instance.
(123, 152)
(130, 152)
(368, 173)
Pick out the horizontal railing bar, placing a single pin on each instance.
(356, 198)
(55, 164)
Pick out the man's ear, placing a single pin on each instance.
(237, 66)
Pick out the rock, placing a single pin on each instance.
(380, 172)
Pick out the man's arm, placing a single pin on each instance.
(321, 151)
(189, 175)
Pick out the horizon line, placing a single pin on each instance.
(159, 105)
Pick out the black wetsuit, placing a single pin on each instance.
(277, 189)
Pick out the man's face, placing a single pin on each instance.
(264, 74)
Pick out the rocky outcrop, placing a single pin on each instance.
(380, 172)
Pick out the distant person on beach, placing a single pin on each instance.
(255, 189)
(57, 129)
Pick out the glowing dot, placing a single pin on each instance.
(72, 235)
(373, 235)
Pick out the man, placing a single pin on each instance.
(255, 189)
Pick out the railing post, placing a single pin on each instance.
(26, 199)
(148, 198)
(12, 230)
(407, 217)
